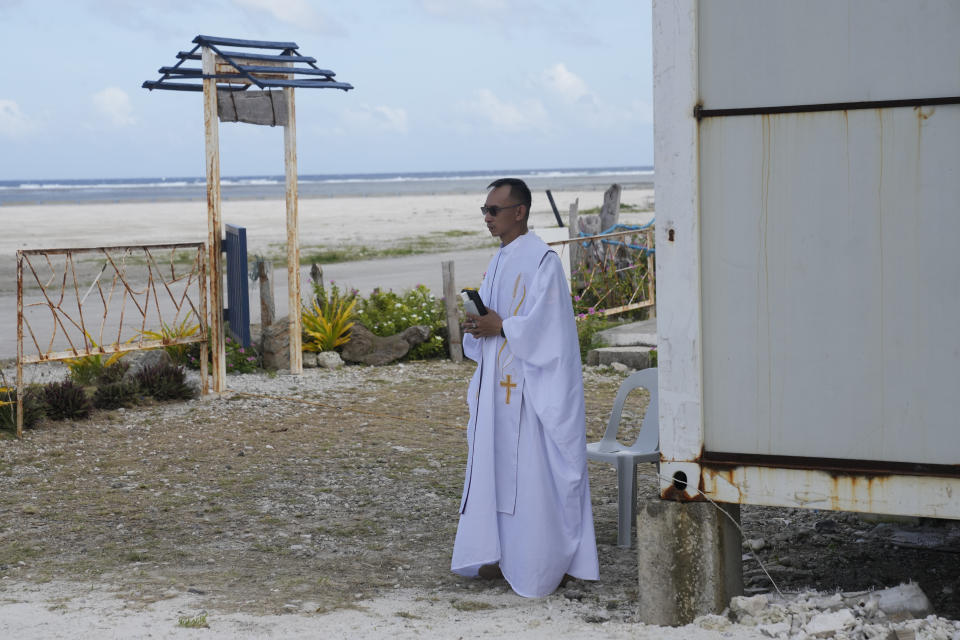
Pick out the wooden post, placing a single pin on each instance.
(453, 317)
(205, 345)
(575, 252)
(651, 277)
(293, 235)
(609, 216)
(553, 205)
(267, 307)
(211, 127)
(19, 345)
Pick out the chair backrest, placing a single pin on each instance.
(649, 437)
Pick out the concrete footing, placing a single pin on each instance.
(689, 560)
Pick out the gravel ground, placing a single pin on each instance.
(327, 493)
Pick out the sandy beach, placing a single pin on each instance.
(432, 228)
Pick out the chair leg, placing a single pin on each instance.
(626, 500)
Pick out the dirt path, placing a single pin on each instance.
(341, 487)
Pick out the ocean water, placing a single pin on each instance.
(21, 192)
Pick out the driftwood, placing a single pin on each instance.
(366, 348)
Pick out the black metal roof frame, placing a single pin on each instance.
(323, 78)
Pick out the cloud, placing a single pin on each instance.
(567, 20)
(13, 123)
(114, 104)
(447, 9)
(579, 102)
(491, 111)
(299, 13)
(566, 84)
(381, 118)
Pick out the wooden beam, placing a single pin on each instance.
(293, 235)
(211, 127)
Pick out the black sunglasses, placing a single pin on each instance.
(494, 210)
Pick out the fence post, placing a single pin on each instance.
(609, 216)
(651, 277)
(316, 274)
(574, 225)
(268, 311)
(453, 317)
(19, 414)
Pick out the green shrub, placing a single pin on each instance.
(164, 382)
(66, 400)
(241, 359)
(588, 325)
(85, 369)
(113, 395)
(327, 322)
(607, 286)
(387, 313)
(112, 373)
(34, 407)
(177, 352)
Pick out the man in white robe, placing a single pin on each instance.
(526, 507)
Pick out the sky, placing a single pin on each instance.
(440, 85)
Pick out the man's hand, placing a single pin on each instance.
(485, 326)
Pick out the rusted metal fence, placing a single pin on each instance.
(74, 303)
(612, 272)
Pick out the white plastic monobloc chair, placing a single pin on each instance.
(625, 458)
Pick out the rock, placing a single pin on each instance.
(826, 625)
(145, 360)
(309, 359)
(619, 366)
(366, 348)
(903, 602)
(634, 357)
(754, 544)
(741, 606)
(594, 618)
(826, 526)
(712, 622)
(276, 345)
(329, 360)
(775, 630)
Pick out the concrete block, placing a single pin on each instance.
(634, 357)
(688, 560)
(635, 333)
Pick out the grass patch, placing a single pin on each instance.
(17, 552)
(196, 622)
(432, 243)
(471, 605)
(407, 615)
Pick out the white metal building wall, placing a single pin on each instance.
(808, 281)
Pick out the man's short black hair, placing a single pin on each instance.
(519, 190)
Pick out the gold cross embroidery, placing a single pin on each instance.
(508, 385)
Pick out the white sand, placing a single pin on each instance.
(323, 221)
(67, 610)
(330, 222)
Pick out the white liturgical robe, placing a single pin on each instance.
(526, 495)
